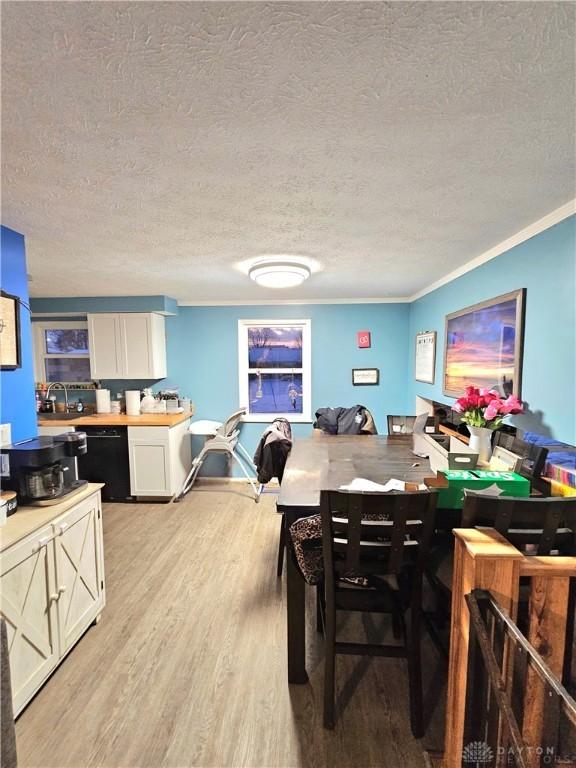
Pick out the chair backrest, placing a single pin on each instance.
(531, 524)
(231, 423)
(375, 533)
(533, 456)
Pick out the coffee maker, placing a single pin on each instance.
(35, 470)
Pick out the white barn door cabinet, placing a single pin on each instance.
(51, 585)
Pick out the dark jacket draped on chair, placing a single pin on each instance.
(273, 449)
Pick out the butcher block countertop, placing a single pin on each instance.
(28, 519)
(119, 420)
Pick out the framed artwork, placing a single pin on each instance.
(483, 346)
(363, 377)
(9, 332)
(425, 357)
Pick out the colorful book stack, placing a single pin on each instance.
(561, 469)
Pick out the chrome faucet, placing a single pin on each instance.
(59, 384)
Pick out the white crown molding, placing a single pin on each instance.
(552, 218)
(288, 302)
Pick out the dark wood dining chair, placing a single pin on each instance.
(366, 540)
(537, 526)
(534, 525)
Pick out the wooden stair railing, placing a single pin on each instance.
(485, 560)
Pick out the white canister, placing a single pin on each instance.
(132, 402)
(102, 401)
(148, 403)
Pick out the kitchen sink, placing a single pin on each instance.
(59, 416)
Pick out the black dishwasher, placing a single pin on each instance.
(106, 461)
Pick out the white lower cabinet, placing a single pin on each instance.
(79, 571)
(51, 590)
(160, 459)
(27, 588)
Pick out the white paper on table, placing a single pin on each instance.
(360, 484)
(491, 490)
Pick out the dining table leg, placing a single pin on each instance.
(296, 616)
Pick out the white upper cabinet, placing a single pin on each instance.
(129, 345)
(105, 345)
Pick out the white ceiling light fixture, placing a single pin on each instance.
(279, 274)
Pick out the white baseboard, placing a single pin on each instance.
(226, 480)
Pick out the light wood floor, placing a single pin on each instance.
(187, 666)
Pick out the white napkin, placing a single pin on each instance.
(491, 490)
(360, 484)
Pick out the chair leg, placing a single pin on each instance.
(415, 667)
(398, 627)
(329, 666)
(320, 608)
(192, 475)
(281, 547)
(251, 480)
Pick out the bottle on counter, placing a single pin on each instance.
(80, 405)
(148, 403)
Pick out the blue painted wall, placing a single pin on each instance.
(546, 266)
(203, 358)
(17, 404)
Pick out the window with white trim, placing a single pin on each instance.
(61, 351)
(275, 369)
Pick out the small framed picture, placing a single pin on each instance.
(9, 332)
(425, 357)
(364, 377)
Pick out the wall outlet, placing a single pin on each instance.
(5, 434)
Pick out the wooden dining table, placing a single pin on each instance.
(325, 463)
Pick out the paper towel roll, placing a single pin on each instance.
(132, 402)
(102, 401)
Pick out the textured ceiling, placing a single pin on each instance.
(150, 147)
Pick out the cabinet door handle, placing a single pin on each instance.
(56, 595)
(42, 543)
(63, 528)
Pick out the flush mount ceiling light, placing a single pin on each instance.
(279, 274)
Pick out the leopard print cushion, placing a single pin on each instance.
(306, 537)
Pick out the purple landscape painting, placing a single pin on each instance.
(483, 346)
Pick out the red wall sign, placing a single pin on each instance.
(363, 339)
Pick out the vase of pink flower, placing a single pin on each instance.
(483, 411)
